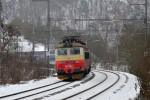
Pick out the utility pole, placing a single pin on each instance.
(33, 29)
(0, 13)
(47, 31)
(117, 37)
(146, 25)
(48, 23)
(17, 34)
(106, 35)
(48, 34)
(117, 51)
(0, 40)
(105, 60)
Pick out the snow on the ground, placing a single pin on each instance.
(133, 89)
(26, 46)
(83, 96)
(10, 89)
(121, 91)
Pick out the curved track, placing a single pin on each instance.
(28, 90)
(48, 88)
(93, 75)
(107, 87)
(77, 95)
(88, 88)
(98, 79)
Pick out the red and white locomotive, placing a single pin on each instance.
(72, 58)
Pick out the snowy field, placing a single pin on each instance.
(127, 87)
(26, 46)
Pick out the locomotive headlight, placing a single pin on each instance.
(68, 66)
(75, 62)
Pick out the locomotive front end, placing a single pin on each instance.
(72, 58)
(69, 63)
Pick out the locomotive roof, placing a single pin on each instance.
(62, 45)
(71, 41)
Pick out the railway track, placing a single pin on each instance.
(63, 87)
(42, 91)
(72, 96)
(107, 87)
(126, 81)
(6, 96)
(88, 88)
(35, 89)
(79, 95)
(55, 88)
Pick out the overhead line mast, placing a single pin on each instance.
(33, 29)
(48, 32)
(146, 25)
(0, 18)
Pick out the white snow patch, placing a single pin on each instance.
(26, 46)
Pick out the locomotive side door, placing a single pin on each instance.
(87, 60)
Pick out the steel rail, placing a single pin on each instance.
(42, 91)
(107, 87)
(47, 89)
(83, 82)
(88, 88)
(28, 90)
(127, 78)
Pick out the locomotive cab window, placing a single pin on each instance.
(87, 56)
(74, 51)
(62, 52)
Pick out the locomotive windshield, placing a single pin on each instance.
(74, 51)
(62, 52)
